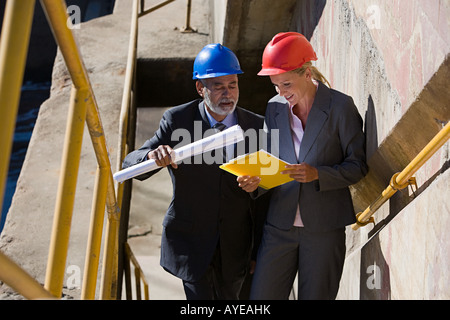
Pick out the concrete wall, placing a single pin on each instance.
(248, 26)
(166, 55)
(218, 13)
(392, 58)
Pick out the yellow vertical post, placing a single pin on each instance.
(95, 235)
(137, 278)
(127, 271)
(56, 12)
(146, 295)
(188, 28)
(14, 42)
(66, 191)
(110, 259)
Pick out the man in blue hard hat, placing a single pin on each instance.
(208, 228)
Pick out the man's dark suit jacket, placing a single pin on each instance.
(334, 143)
(207, 203)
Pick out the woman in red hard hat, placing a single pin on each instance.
(320, 134)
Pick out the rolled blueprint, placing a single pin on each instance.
(221, 139)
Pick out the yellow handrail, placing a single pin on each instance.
(14, 42)
(156, 7)
(128, 109)
(66, 192)
(186, 29)
(127, 97)
(128, 106)
(14, 39)
(83, 109)
(138, 273)
(404, 178)
(95, 235)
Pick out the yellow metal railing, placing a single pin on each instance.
(83, 109)
(15, 37)
(127, 129)
(126, 133)
(404, 178)
(127, 121)
(20, 281)
(138, 275)
(14, 41)
(127, 125)
(186, 29)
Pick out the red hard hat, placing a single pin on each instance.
(285, 52)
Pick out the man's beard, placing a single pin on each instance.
(216, 108)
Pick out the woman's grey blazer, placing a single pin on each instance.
(334, 143)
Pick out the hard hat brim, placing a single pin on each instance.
(272, 71)
(215, 75)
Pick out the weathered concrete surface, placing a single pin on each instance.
(412, 36)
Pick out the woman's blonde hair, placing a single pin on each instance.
(316, 74)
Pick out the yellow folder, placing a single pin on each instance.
(261, 164)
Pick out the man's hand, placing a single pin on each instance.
(248, 183)
(302, 172)
(163, 156)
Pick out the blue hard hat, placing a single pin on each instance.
(215, 60)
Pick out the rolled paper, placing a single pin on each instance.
(221, 139)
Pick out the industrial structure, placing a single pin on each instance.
(72, 232)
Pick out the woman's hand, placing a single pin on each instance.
(302, 172)
(248, 183)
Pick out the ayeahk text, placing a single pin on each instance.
(231, 309)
